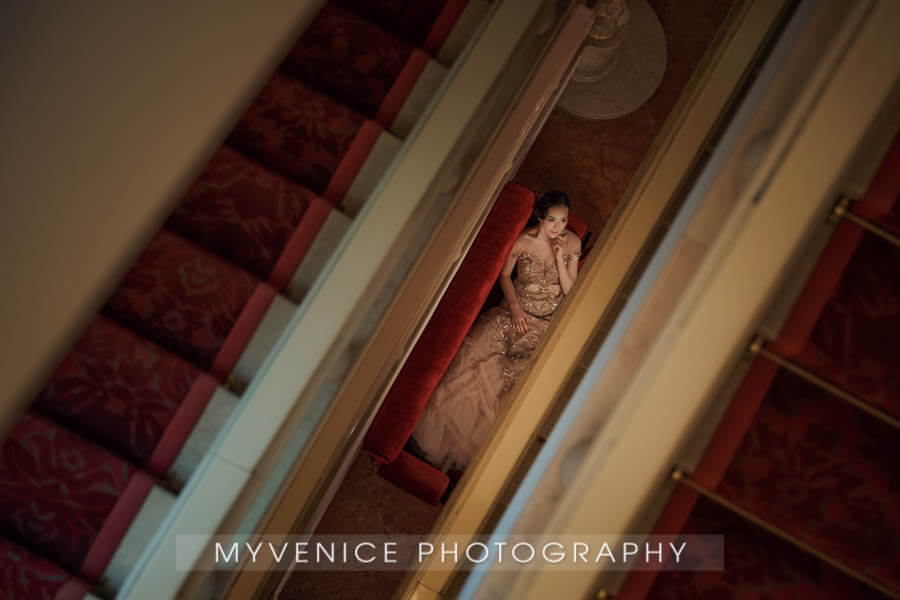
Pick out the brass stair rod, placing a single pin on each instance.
(757, 347)
(842, 210)
(680, 476)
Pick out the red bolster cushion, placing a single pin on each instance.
(416, 476)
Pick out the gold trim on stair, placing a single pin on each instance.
(682, 477)
(757, 347)
(841, 210)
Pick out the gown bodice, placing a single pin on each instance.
(537, 285)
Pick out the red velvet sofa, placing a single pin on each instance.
(442, 337)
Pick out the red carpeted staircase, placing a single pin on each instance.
(129, 412)
(801, 475)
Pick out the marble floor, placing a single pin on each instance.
(593, 162)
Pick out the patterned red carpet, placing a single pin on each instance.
(823, 470)
(807, 456)
(119, 407)
(854, 344)
(758, 566)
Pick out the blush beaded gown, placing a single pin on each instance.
(493, 355)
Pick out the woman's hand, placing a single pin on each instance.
(559, 247)
(519, 322)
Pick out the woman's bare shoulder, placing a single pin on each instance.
(524, 241)
(525, 237)
(522, 244)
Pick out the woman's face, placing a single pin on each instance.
(555, 222)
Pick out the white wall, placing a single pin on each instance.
(108, 109)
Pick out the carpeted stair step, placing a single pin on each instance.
(424, 23)
(136, 399)
(251, 216)
(191, 302)
(825, 472)
(441, 28)
(306, 135)
(66, 499)
(127, 394)
(27, 576)
(356, 62)
(758, 566)
(891, 220)
(854, 343)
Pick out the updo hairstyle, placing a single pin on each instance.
(544, 202)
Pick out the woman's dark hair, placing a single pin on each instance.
(545, 202)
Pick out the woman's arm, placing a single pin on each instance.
(571, 247)
(520, 323)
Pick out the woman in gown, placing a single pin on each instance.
(496, 350)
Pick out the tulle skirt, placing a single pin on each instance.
(465, 405)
